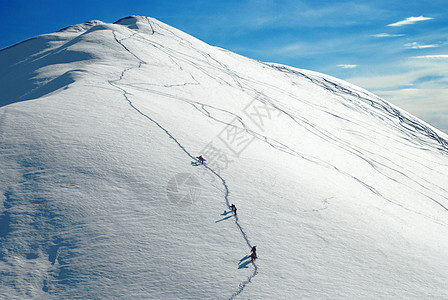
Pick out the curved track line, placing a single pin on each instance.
(243, 284)
(299, 120)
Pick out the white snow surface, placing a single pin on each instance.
(344, 194)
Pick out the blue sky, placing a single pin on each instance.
(396, 49)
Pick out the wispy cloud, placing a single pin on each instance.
(428, 104)
(410, 20)
(418, 84)
(347, 66)
(386, 35)
(415, 45)
(438, 56)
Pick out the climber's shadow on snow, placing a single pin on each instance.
(195, 163)
(244, 262)
(225, 213)
(244, 258)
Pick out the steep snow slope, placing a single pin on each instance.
(343, 193)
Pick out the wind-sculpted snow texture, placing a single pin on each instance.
(343, 193)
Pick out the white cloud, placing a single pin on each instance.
(439, 56)
(410, 20)
(348, 66)
(386, 35)
(420, 86)
(429, 104)
(415, 45)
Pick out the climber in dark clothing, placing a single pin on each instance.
(201, 159)
(233, 208)
(254, 251)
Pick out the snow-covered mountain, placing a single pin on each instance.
(344, 194)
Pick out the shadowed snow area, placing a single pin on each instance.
(343, 193)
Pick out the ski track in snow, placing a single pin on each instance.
(326, 136)
(409, 127)
(334, 88)
(115, 84)
(249, 87)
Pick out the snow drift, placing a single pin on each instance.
(343, 193)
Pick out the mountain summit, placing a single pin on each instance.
(343, 193)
